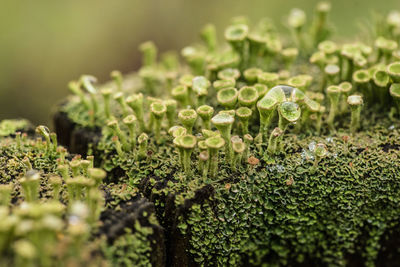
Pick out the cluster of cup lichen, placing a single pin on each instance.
(230, 96)
(261, 97)
(48, 204)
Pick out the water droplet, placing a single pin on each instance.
(277, 168)
(311, 146)
(73, 219)
(280, 168)
(306, 156)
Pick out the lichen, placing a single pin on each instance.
(321, 191)
(131, 249)
(8, 127)
(47, 193)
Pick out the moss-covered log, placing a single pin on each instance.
(295, 161)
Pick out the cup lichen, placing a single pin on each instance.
(293, 93)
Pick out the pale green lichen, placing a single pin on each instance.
(304, 192)
(8, 127)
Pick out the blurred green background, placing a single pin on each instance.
(44, 44)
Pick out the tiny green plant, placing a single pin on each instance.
(142, 141)
(206, 112)
(238, 147)
(214, 144)
(395, 93)
(158, 110)
(188, 118)
(135, 102)
(355, 102)
(320, 151)
(224, 122)
(248, 96)
(333, 92)
(393, 70)
(244, 114)
(186, 143)
(228, 97)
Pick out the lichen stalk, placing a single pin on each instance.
(355, 102)
(273, 140)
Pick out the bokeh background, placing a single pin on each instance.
(46, 43)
